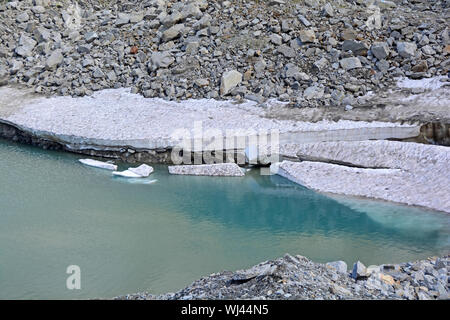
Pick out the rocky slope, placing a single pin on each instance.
(308, 52)
(300, 278)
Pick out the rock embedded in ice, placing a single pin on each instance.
(98, 164)
(218, 169)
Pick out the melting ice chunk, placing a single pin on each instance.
(98, 164)
(142, 171)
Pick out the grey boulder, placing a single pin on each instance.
(173, 32)
(161, 60)
(406, 49)
(340, 266)
(359, 271)
(350, 63)
(358, 48)
(380, 50)
(55, 59)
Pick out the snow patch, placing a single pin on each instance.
(426, 83)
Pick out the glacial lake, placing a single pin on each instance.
(158, 236)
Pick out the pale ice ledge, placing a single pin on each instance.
(405, 172)
(116, 117)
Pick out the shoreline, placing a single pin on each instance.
(298, 278)
(344, 150)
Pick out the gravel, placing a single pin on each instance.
(159, 48)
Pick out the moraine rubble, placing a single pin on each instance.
(296, 277)
(310, 53)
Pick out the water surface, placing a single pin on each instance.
(135, 235)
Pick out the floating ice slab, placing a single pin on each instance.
(218, 169)
(143, 170)
(98, 164)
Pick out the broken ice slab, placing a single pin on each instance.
(142, 171)
(98, 164)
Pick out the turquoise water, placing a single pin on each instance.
(132, 235)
